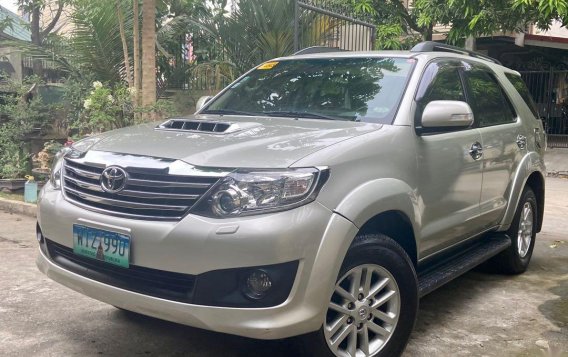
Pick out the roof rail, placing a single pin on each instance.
(431, 46)
(317, 49)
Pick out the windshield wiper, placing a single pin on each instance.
(299, 114)
(228, 112)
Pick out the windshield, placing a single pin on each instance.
(356, 89)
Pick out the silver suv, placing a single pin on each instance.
(320, 195)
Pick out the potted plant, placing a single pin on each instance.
(44, 160)
(13, 169)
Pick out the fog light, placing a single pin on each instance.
(257, 284)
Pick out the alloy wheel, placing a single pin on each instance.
(363, 312)
(524, 236)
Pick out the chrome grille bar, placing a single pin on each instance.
(153, 183)
(83, 173)
(125, 204)
(154, 195)
(83, 184)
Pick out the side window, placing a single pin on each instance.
(523, 91)
(487, 99)
(441, 82)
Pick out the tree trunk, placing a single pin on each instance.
(36, 36)
(136, 56)
(148, 52)
(124, 44)
(428, 33)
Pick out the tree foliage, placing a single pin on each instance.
(474, 17)
(96, 42)
(396, 23)
(397, 26)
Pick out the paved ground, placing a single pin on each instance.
(476, 315)
(556, 160)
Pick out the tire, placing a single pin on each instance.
(377, 257)
(516, 258)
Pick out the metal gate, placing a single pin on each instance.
(330, 24)
(550, 92)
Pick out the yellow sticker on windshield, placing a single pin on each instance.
(268, 65)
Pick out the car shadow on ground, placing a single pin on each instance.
(168, 338)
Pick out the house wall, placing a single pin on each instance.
(556, 30)
(15, 59)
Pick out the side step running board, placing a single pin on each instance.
(448, 270)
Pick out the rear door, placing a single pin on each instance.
(503, 138)
(449, 174)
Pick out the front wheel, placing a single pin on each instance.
(374, 303)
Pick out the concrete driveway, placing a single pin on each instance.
(475, 315)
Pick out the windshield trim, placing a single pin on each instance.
(203, 110)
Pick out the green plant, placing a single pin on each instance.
(106, 108)
(19, 114)
(75, 90)
(162, 109)
(15, 163)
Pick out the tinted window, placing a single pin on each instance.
(358, 89)
(443, 83)
(487, 99)
(521, 87)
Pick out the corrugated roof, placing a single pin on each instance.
(19, 29)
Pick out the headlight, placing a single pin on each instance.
(261, 191)
(85, 144)
(55, 175)
(76, 150)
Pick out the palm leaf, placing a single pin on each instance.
(96, 38)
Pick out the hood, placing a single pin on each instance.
(252, 142)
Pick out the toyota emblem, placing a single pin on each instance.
(113, 179)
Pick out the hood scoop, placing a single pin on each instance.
(206, 126)
(217, 127)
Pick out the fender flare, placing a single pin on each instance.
(531, 163)
(378, 196)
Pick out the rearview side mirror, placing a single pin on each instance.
(447, 114)
(201, 102)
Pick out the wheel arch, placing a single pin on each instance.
(530, 172)
(396, 225)
(388, 206)
(536, 182)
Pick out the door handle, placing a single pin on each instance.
(521, 141)
(476, 151)
(537, 138)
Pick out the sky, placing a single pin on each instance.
(10, 5)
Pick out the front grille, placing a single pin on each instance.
(153, 282)
(148, 193)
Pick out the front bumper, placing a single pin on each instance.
(310, 235)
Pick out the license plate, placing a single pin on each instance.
(106, 246)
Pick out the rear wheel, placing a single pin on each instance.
(374, 303)
(516, 259)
